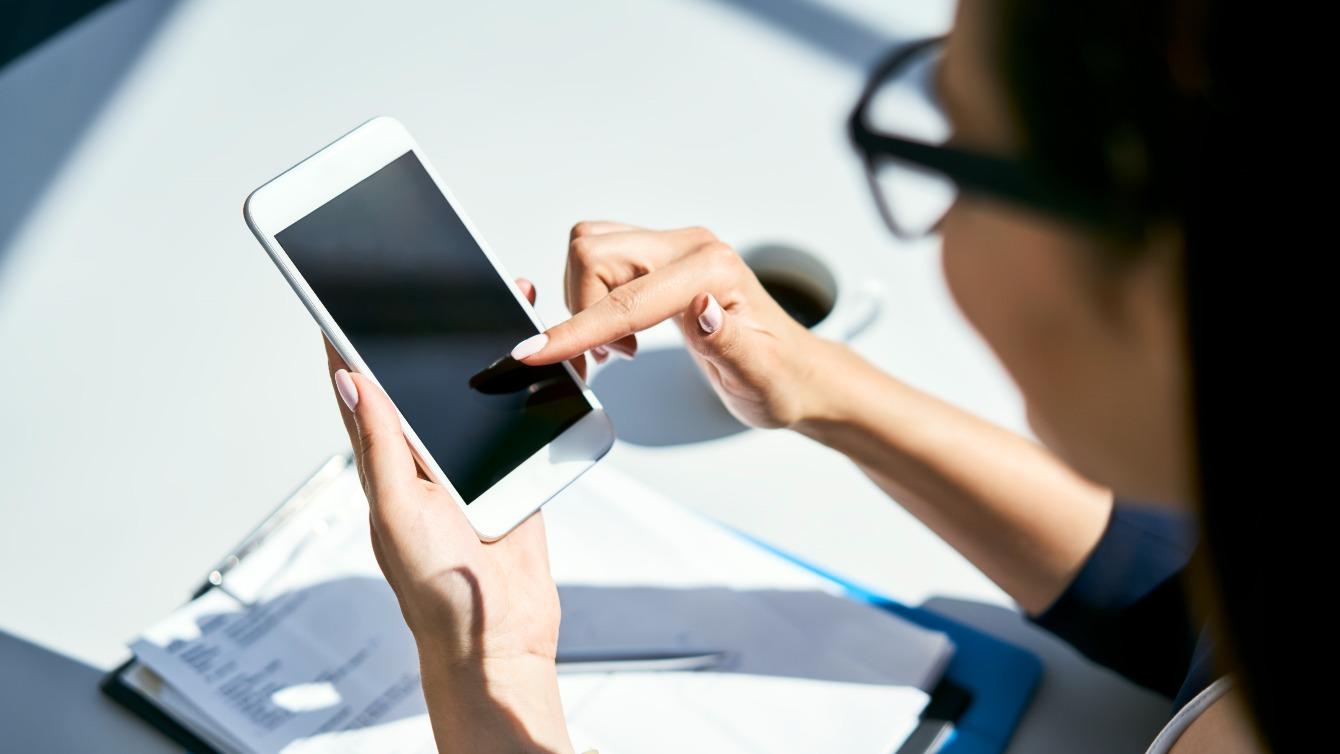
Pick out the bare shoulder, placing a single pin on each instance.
(1223, 728)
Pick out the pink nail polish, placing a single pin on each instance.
(530, 346)
(712, 317)
(344, 384)
(600, 352)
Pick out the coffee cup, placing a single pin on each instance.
(810, 290)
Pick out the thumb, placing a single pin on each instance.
(710, 332)
(384, 458)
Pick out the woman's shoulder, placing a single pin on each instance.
(1213, 722)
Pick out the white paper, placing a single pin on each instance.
(647, 572)
(316, 658)
(655, 713)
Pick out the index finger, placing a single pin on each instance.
(631, 307)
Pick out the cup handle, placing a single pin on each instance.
(856, 314)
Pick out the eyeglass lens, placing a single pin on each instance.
(905, 105)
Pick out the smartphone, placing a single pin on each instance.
(380, 253)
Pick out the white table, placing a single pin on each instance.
(162, 388)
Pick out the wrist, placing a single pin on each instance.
(830, 388)
(509, 705)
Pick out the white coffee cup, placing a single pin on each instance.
(813, 292)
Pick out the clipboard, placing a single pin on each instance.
(974, 709)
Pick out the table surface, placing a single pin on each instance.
(164, 388)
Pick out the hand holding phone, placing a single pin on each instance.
(484, 616)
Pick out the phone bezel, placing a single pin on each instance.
(333, 170)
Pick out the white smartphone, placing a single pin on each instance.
(410, 295)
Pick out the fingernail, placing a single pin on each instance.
(600, 352)
(530, 346)
(711, 318)
(348, 391)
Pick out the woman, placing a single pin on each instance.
(1071, 245)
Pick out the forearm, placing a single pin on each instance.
(514, 708)
(1004, 502)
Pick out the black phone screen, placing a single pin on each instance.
(411, 289)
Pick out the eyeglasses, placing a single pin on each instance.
(900, 129)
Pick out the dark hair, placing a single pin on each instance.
(1139, 100)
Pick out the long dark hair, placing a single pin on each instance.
(1143, 101)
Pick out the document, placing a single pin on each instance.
(303, 649)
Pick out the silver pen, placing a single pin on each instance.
(639, 660)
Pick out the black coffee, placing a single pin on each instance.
(805, 304)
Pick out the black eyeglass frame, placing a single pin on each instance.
(972, 172)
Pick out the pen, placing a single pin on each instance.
(635, 660)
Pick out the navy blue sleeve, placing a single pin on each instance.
(1127, 607)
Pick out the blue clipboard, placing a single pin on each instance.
(1000, 677)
